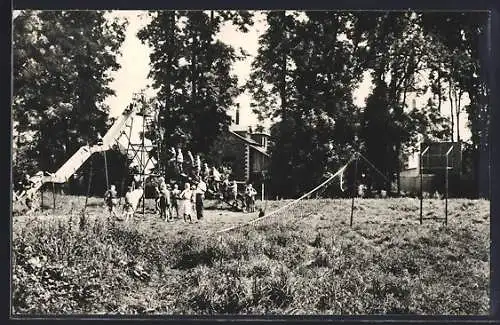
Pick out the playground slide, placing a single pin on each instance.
(63, 174)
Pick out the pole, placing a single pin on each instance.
(41, 197)
(421, 192)
(446, 194)
(88, 187)
(421, 181)
(446, 188)
(106, 170)
(262, 191)
(354, 189)
(143, 165)
(53, 196)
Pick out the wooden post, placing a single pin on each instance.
(446, 193)
(421, 181)
(106, 170)
(53, 196)
(122, 190)
(41, 197)
(88, 187)
(421, 190)
(446, 188)
(354, 189)
(143, 165)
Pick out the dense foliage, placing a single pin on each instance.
(192, 71)
(308, 67)
(310, 63)
(61, 72)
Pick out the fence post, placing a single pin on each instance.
(354, 188)
(41, 198)
(421, 181)
(53, 196)
(446, 188)
(421, 192)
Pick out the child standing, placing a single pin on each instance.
(176, 200)
(111, 199)
(165, 202)
(234, 193)
(250, 193)
(128, 207)
(180, 160)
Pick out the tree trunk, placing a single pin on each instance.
(193, 67)
(170, 58)
(398, 169)
(439, 91)
(457, 112)
(283, 66)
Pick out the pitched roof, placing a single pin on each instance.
(251, 143)
(261, 150)
(247, 140)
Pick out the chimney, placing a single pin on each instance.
(237, 119)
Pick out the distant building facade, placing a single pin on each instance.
(245, 152)
(433, 170)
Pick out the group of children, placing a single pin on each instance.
(229, 191)
(171, 201)
(186, 203)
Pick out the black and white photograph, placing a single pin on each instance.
(250, 162)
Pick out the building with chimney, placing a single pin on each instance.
(244, 151)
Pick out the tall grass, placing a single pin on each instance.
(380, 266)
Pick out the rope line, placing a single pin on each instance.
(373, 166)
(341, 170)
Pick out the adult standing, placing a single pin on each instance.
(201, 188)
(186, 207)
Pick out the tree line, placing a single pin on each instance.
(303, 78)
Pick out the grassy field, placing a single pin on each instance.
(310, 262)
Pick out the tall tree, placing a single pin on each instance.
(399, 54)
(192, 71)
(315, 129)
(62, 65)
(465, 36)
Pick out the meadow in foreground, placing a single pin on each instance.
(307, 261)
